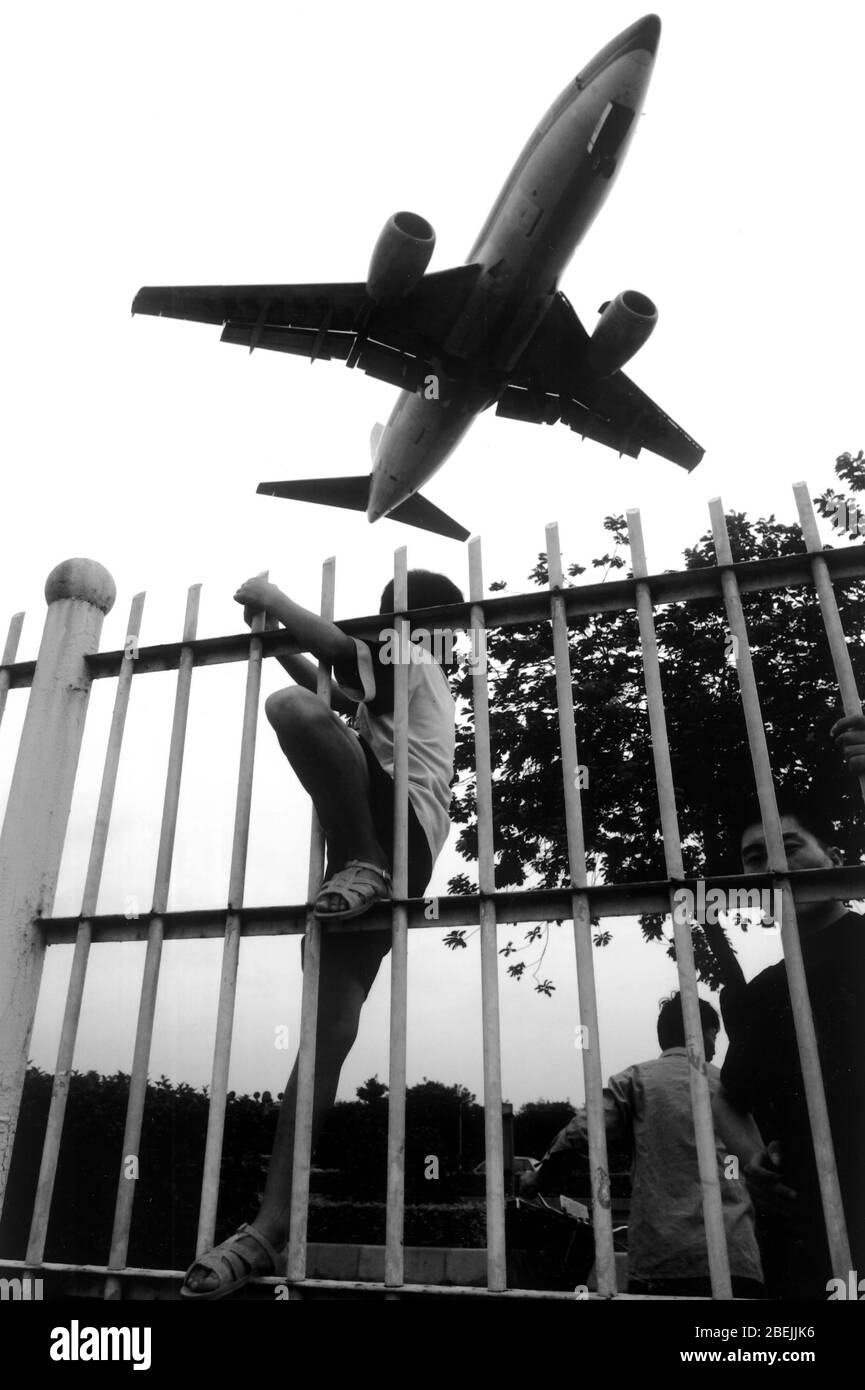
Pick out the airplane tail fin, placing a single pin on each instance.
(353, 493)
(375, 436)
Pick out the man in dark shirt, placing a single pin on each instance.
(762, 1073)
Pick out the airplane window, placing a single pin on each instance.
(599, 127)
(609, 133)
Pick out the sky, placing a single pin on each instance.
(166, 144)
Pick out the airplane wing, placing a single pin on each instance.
(395, 343)
(548, 385)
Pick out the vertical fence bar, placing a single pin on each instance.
(605, 1259)
(824, 1153)
(493, 1136)
(230, 946)
(701, 1101)
(829, 608)
(296, 1269)
(78, 972)
(393, 1253)
(79, 594)
(9, 653)
(150, 979)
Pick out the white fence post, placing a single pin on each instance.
(79, 593)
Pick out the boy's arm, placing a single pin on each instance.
(304, 673)
(301, 670)
(313, 634)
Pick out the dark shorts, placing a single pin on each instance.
(420, 864)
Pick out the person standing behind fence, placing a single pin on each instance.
(348, 773)
(648, 1110)
(762, 1073)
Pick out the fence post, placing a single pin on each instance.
(79, 593)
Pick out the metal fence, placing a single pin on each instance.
(79, 593)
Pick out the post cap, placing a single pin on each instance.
(86, 580)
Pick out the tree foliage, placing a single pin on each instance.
(708, 742)
(372, 1091)
(442, 1120)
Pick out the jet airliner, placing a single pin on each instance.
(495, 331)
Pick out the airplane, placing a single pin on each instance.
(495, 331)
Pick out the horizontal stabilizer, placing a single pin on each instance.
(332, 492)
(353, 493)
(417, 511)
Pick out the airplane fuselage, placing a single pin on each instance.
(547, 204)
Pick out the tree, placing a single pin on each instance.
(709, 749)
(372, 1090)
(168, 1188)
(537, 1123)
(444, 1121)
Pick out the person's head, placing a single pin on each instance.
(807, 831)
(426, 589)
(671, 1025)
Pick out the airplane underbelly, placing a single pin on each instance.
(525, 254)
(418, 438)
(500, 319)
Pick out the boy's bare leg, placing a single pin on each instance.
(330, 763)
(349, 964)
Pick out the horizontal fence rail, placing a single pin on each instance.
(85, 592)
(510, 610)
(513, 906)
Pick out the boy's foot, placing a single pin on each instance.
(353, 890)
(230, 1265)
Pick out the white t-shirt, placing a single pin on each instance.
(431, 735)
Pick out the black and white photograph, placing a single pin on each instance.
(432, 644)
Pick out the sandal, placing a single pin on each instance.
(355, 883)
(231, 1265)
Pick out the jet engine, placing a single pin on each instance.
(402, 254)
(622, 329)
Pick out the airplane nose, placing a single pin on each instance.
(652, 31)
(641, 37)
(644, 35)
